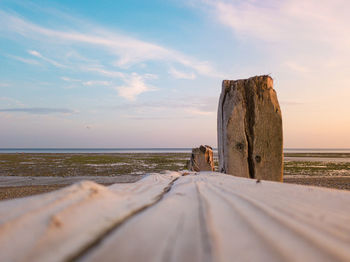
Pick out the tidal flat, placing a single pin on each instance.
(23, 174)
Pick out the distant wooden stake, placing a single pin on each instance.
(250, 137)
(201, 159)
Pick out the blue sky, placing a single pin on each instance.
(148, 73)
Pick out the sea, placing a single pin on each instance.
(152, 150)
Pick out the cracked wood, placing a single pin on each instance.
(204, 216)
(250, 138)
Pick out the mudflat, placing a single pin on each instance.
(23, 174)
(22, 191)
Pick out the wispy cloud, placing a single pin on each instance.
(301, 34)
(104, 72)
(71, 80)
(196, 111)
(277, 20)
(39, 110)
(181, 75)
(96, 83)
(134, 86)
(122, 54)
(50, 61)
(24, 60)
(87, 83)
(127, 50)
(4, 85)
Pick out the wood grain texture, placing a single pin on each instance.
(201, 159)
(250, 137)
(173, 230)
(216, 217)
(58, 226)
(202, 216)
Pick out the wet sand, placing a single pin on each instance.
(23, 191)
(28, 174)
(330, 182)
(317, 159)
(20, 186)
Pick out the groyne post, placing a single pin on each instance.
(250, 136)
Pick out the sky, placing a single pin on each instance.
(133, 73)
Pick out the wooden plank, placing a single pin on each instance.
(215, 217)
(293, 223)
(204, 217)
(58, 226)
(172, 230)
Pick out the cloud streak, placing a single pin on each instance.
(181, 75)
(86, 83)
(121, 54)
(96, 83)
(128, 51)
(38, 110)
(24, 60)
(50, 61)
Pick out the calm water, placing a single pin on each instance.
(152, 150)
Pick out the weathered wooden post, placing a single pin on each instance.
(201, 159)
(250, 139)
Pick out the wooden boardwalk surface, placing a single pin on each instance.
(173, 217)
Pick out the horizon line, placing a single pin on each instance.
(113, 148)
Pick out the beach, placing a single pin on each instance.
(24, 174)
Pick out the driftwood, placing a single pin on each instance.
(170, 217)
(201, 159)
(250, 137)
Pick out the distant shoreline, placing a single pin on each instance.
(153, 150)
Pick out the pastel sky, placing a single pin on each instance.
(140, 73)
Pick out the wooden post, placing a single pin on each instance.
(250, 139)
(201, 159)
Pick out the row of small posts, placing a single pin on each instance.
(250, 136)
